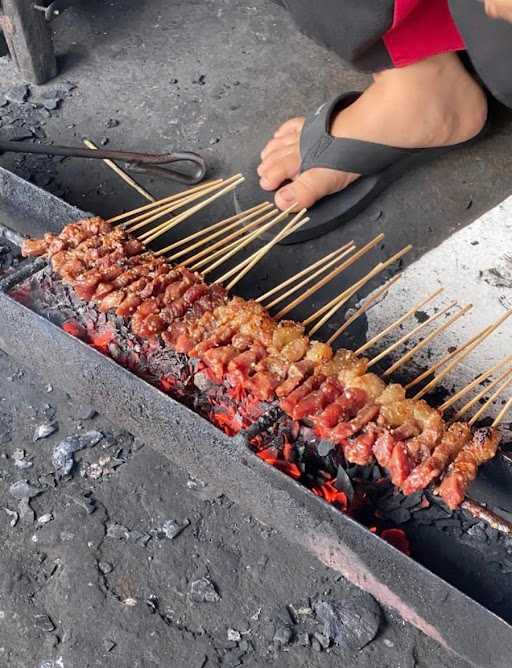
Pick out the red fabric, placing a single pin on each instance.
(421, 28)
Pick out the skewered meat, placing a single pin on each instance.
(464, 469)
(243, 347)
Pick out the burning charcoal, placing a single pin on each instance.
(344, 484)
(23, 490)
(354, 623)
(17, 94)
(204, 591)
(44, 430)
(44, 623)
(63, 459)
(13, 515)
(115, 530)
(282, 636)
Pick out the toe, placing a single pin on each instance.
(276, 144)
(312, 186)
(293, 126)
(280, 166)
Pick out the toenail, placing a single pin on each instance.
(287, 195)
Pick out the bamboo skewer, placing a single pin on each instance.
(144, 219)
(302, 273)
(308, 279)
(467, 388)
(335, 272)
(427, 339)
(490, 400)
(397, 323)
(157, 231)
(413, 332)
(225, 242)
(122, 174)
(160, 202)
(467, 406)
(237, 243)
(480, 512)
(239, 246)
(165, 227)
(367, 304)
(221, 224)
(350, 292)
(458, 358)
(499, 418)
(296, 222)
(443, 361)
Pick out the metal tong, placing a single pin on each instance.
(140, 163)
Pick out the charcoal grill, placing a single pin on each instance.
(470, 616)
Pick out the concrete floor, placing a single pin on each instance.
(218, 76)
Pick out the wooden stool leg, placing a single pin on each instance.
(29, 40)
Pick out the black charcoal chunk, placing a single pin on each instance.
(352, 623)
(23, 490)
(283, 635)
(17, 94)
(63, 459)
(344, 484)
(324, 448)
(399, 516)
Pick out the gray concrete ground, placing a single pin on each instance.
(216, 76)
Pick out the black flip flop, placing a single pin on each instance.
(379, 165)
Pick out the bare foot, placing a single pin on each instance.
(432, 103)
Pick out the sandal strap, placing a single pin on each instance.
(320, 149)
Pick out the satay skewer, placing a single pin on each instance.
(163, 201)
(326, 279)
(499, 418)
(339, 256)
(246, 241)
(122, 174)
(297, 222)
(474, 383)
(412, 333)
(351, 291)
(190, 212)
(394, 325)
(226, 242)
(367, 304)
(145, 219)
(419, 346)
(319, 263)
(506, 383)
(247, 260)
(480, 512)
(446, 358)
(220, 225)
(485, 333)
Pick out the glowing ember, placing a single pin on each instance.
(227, 420)
(167, 383)
(270, 457)
(72, 328)
(397, 538)
(332, 495)
(100, 340)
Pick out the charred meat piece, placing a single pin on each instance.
(464, 469)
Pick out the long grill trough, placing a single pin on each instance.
(445, 570)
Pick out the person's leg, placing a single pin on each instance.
(434, 102)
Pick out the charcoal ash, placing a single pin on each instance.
(45, 429)
(63, 453)
(204, 591)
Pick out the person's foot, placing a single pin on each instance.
(432, 103)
